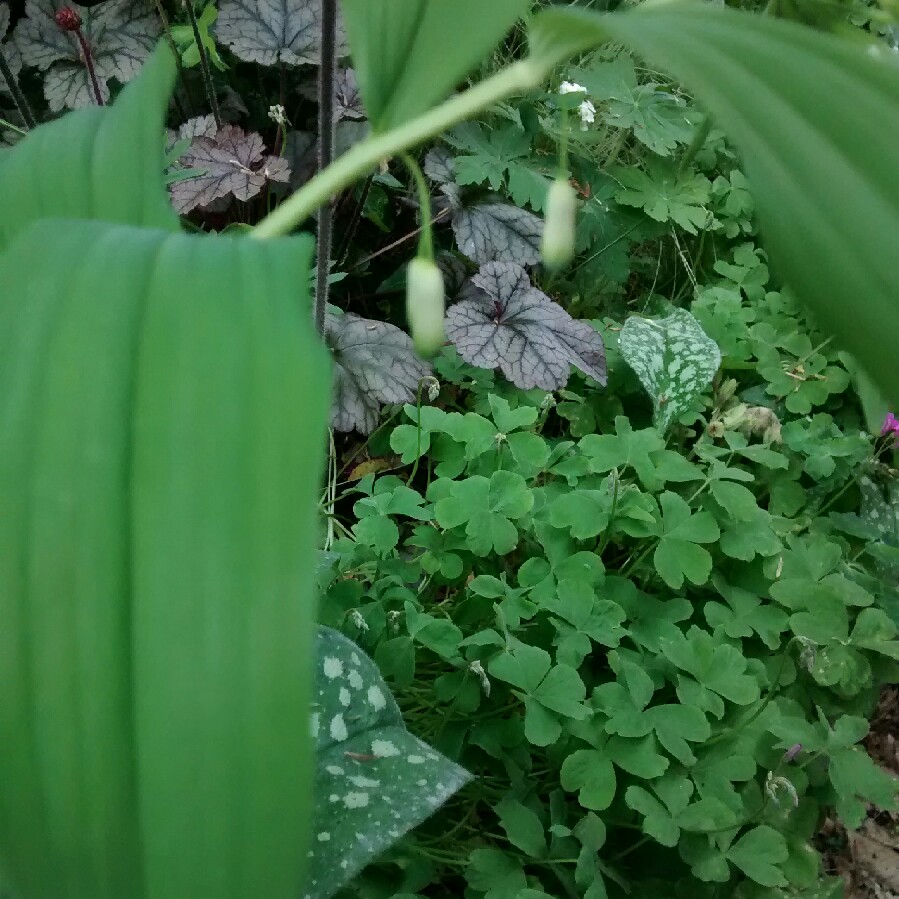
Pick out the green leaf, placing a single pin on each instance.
(85, 166)
(184, 390)
(167, 395)
(665, 194)
(674, 360)
(522, 827)
(591, 773)
(758, 853)
(409, 54)
(372, 776)
(677, 555)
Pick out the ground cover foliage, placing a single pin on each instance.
(626, 552)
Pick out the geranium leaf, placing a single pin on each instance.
(372, 776)
(121, 35)
(273, 31)
(488, 232)
(234, 164)
(674, 360)
(409, 54)
(665, 194)
(503, 322)
(374, 363)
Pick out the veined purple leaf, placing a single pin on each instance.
(233, 163)
(120, 34)
(503, 322)
(272, 31)
(374, 363)
(498, 232)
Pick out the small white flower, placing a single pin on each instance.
(570, 87)
(393, 620)
(587, 112)
(358, 621)
(433, 386)
(477, 669)
(277, 114)
(775, 785)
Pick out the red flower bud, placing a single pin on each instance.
(67, 19)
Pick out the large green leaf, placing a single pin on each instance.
(103, 163)
(163, 403)
(815, 117)
(409, 54)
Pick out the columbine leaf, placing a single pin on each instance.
(503, 322)
(273, 31)
(372, 777)
(234, 164)
(120, 33)
(499, 232)
(374, 363)
(674, 360)
(665, 194)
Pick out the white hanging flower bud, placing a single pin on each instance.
(559, 228)
(425, 306)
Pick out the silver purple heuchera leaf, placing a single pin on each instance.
(13, 60)
(273, 31)
(121, 34)
(502, 321)
(374, 363)
(233, 163)
(498, 232)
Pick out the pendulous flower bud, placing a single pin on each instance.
(425, 306)
(558, 230)
(67, 19)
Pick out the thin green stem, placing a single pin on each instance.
(205, 70)
(426, 242)
(421, 385)
(16, 128)
(358, 161)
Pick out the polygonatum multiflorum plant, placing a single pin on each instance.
(164, 402)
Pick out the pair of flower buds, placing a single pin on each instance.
(424, 282)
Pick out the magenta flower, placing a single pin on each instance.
(890, 426)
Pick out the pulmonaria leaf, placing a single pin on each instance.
(673, 358)
(273, 31)
(234, 164)
(503, 322)
(374, 781)
(374, 363)
(498, 232)
(120, 35)
(665, 194)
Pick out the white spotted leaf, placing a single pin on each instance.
(374, 780)
(502, 321)
(273, 31)
(374, 363)
(121, 35)
(674, 359)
